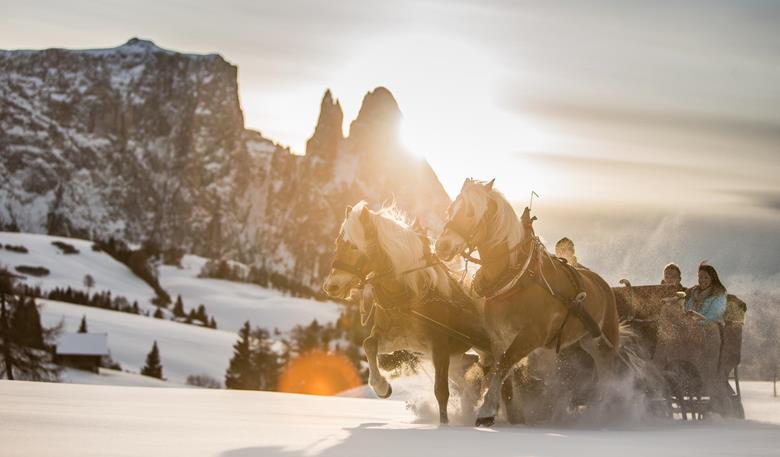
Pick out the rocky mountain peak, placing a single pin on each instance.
(379, 116)
(328, 132)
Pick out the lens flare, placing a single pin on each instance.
(319, 373)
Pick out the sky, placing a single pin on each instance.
(656, 110)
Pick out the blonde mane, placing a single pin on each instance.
(400, 243)
(505, 225)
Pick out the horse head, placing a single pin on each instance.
(468, 218)
(351, 264)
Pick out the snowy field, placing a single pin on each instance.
(40, 419)
(232, 303)
(68, 270)
(184, 349)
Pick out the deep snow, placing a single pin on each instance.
(232, 303)
(184, 349)
(41, 419)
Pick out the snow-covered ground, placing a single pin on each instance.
(184, 349)
(68, 270)
(107, 377)
(41, 419)
(232, 303)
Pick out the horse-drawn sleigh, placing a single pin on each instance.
(521, 303)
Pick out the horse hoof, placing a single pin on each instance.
(387, 395)
(485, 421)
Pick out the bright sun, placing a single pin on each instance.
(447, 90)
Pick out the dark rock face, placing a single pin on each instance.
(139, 143)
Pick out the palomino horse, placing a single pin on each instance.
(533, 299)
(417, 304)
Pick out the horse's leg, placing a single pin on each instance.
(459, 367)
(521, 346)
(441, 367)
(375, 379)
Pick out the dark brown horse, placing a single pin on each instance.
(533, 299)
(417, 306)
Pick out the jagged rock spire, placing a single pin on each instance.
(328, 132)
(379, 116)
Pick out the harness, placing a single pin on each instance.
(518, 276)
(397, 303)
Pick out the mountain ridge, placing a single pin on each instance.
(141, 143)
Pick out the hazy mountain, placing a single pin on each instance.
(139, 142)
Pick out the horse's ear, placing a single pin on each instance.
(489, 186)
(347, 211)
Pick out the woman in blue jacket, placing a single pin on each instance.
(707, 299)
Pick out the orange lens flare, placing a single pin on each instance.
(319, 373)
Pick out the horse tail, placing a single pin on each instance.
(630, 351)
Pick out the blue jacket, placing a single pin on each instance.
(713, 307)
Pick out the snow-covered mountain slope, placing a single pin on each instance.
(138, 142)
(41, 419)
(184, 349)
(233, 303)
(68, 270)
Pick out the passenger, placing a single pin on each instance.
(708, 298)
(673, 276)
(564, 249)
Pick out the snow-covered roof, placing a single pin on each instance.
(83, 344)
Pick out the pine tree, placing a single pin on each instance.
(178, 308)
(25, 349)
(213, 323)
(241, 373)
(26, 323)
(5, 333)
(153, 367)
(265, 361)
(201, 314)
(83, 325)
(158, 314)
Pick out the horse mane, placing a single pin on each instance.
(400, 244)
(505, 225)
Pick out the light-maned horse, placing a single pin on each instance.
(418, 306)
(529, 293)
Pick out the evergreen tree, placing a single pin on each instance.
(158, 314)
(265, 361)
(213, 323)
(136, 309)
(153, 366)
(178, 308)
(241, 373)
(83, 325)
(25, 350)
(201, 314)
(5, 330)
(26, 323)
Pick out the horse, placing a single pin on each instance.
(418, 306)
(533, 299)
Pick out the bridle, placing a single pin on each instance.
(358, 268)
(470, 235)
